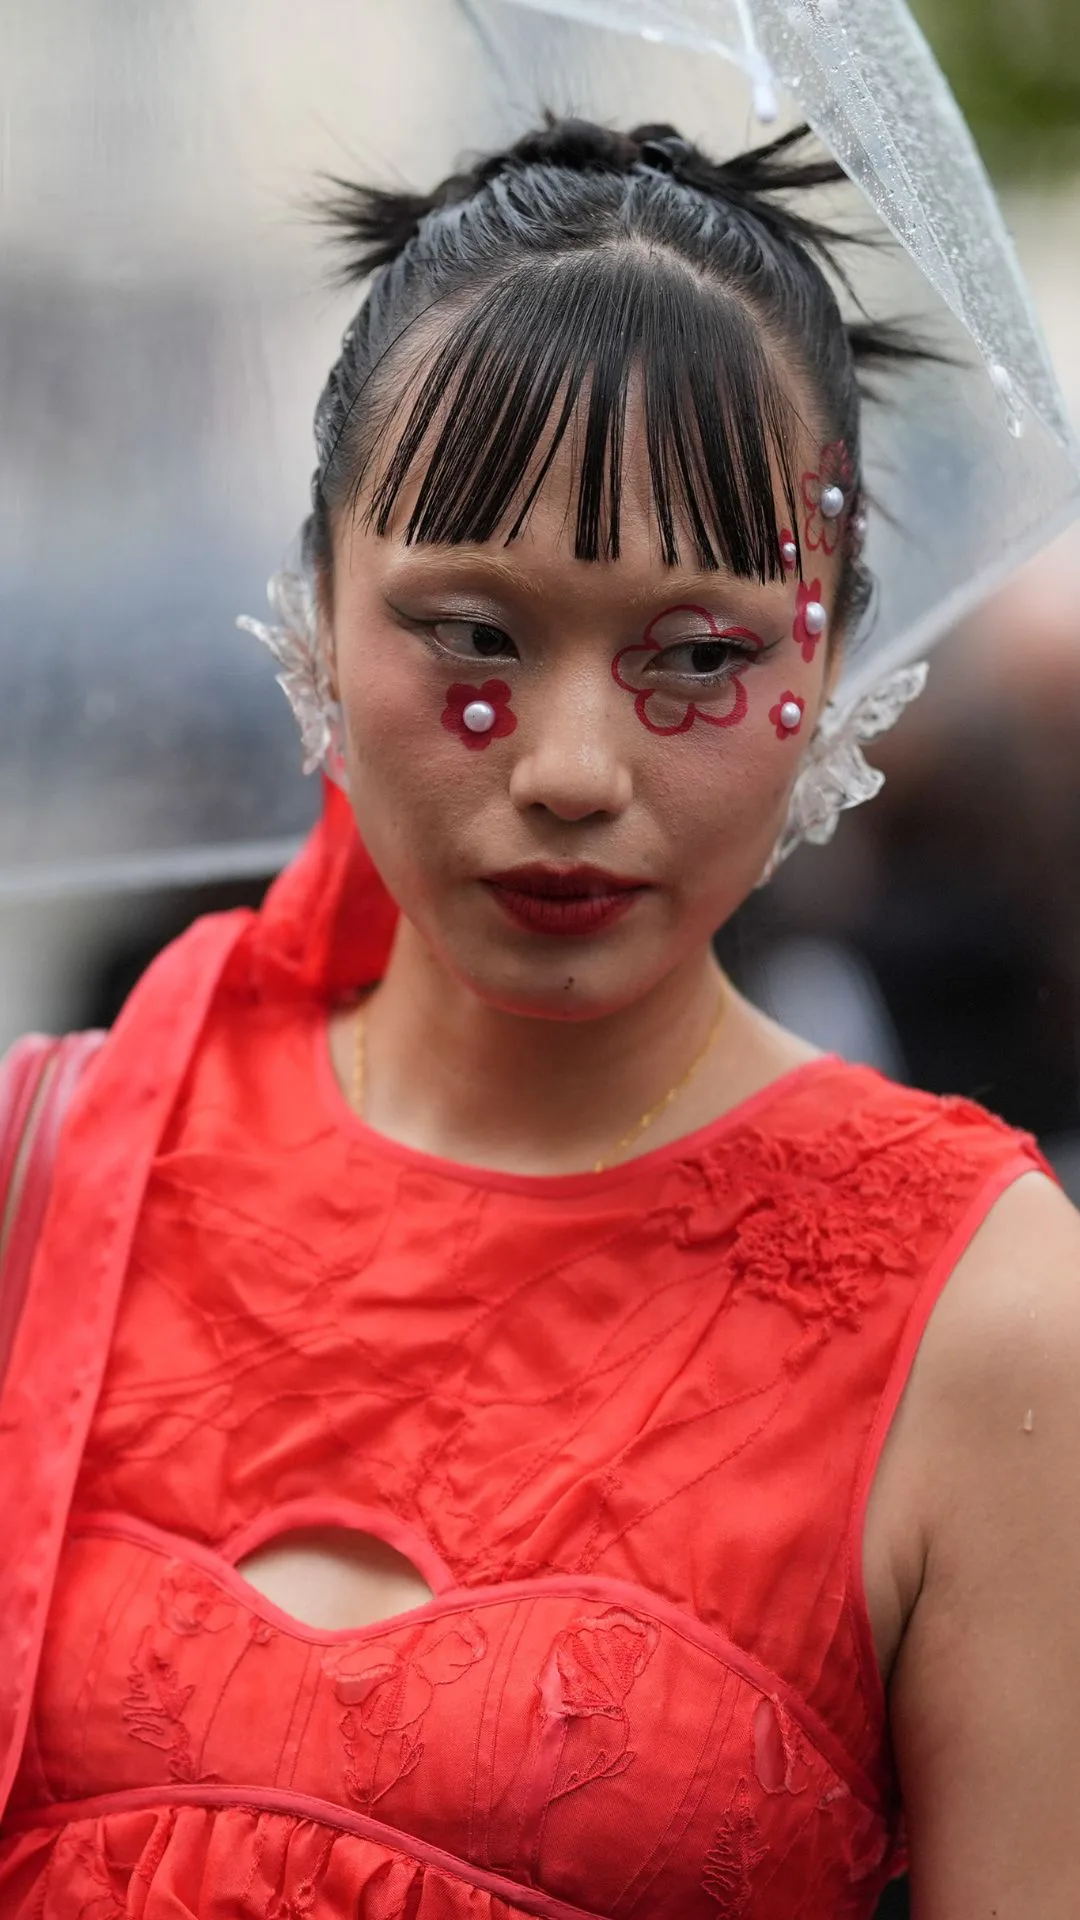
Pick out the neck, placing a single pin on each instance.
(449, 1074)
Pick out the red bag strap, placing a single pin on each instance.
(38, 1076)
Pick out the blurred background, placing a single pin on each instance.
(165, 325)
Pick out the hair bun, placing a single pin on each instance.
(375, 226)
(580, 146)
(662, 148)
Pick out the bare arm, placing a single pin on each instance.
(986, 1690)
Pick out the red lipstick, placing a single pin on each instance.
(564, 900)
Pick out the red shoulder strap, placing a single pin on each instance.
(38, 1076)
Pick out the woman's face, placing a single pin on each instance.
(648, 725)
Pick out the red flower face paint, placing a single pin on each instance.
(462, 701)
(809, 628)
(656, 707)
(822, 531)
(787, 715)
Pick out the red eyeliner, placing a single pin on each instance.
(649, 645)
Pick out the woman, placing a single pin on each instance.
(528, 1435)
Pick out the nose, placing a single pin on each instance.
(571, 762)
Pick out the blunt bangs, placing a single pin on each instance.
(568, 342)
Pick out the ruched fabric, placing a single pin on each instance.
(231, 1863)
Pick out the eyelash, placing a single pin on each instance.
(735, 652)
(471, 626)
(735, 655)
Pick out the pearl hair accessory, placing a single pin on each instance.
(815, 617)
(479, 716)
(831, 502)
(790, 714)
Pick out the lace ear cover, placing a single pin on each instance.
(294, 642)
(835, 774)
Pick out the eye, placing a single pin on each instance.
(702, 659)
(474, 640)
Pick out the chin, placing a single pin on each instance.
(561, 979)
(570, 994)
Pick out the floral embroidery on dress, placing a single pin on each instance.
(864, 1836)
(387, 1693)
(821, 1264)
(736, 1850)
(189, 1602)
(153, 1710)
(582, 1730)
(887, 1185)
(783, 1760)
(590, 1671)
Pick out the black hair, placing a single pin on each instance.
(560, 271)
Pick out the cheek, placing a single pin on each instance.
(384, 698)
(417, 773)
(722, 797)
(723, 794)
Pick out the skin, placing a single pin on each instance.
(490, 1046)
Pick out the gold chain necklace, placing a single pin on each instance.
(653, 1113)
(628, 1139)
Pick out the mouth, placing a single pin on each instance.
(565, 901)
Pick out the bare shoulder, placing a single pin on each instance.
(986, 1687)
(1001, 1354)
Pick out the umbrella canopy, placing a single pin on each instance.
(167, 330)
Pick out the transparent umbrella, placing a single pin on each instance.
(166, 329)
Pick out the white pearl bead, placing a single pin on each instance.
(789, 553)
(479, 716)
(815, 618)
(831, 502)
(790, 715)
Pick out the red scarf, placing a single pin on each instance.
(324, 930)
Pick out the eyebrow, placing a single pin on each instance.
(467, 560)
(679, 585)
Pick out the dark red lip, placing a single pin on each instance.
(564, 901)
(564, 883)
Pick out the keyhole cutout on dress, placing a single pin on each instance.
(334, 1578)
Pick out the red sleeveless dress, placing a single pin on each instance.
(624, 1424)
